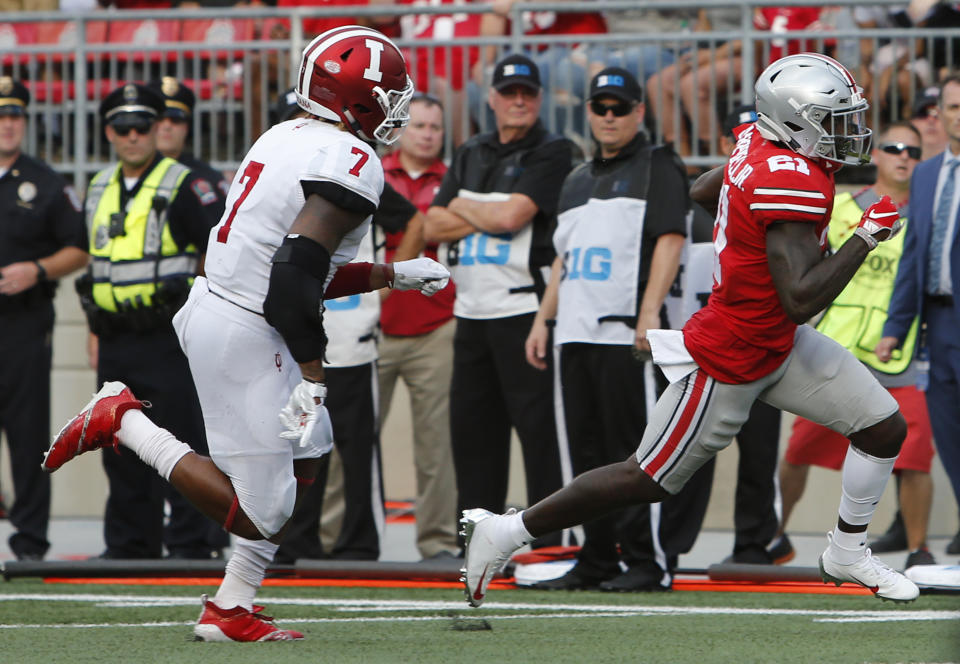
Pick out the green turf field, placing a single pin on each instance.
(53, 623)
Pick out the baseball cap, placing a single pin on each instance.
(132, 98)
(516, 69)
(286, 104)
(930, 97)
(740, 115)
(617, 82)
(14, 97)
(179, 100)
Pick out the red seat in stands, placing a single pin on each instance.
(147, 32)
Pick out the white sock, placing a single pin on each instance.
(515, 530)
(155, 446)
(863, 481)
(244, 574)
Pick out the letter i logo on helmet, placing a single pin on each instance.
(357, 76)
(813, 105)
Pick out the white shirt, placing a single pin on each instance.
(266, 195)
(946, 285)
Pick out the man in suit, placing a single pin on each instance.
(928, 283)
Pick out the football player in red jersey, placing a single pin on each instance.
(252, 329)
(749, 342)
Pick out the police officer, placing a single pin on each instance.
(148, 218)
(621, 227)
(41, 239)
(173, 129)
(494, 213)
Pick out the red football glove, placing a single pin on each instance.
(881, 221)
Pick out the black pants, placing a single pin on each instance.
(156, 370)
(353, 413)
(605, 410)
(755, 518)
(494, 390)
(25, 362)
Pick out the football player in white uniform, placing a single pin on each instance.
(253, 330)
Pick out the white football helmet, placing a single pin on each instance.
(812, 104)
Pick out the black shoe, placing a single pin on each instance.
(753, 554)
(895, 539)
(195, 554)
(29, 557)
(643, 578)
(954, 545)
(781, 550)
(572, 580)
(921, 556)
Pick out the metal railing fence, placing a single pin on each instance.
(238, 65)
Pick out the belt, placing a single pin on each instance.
(940, 300)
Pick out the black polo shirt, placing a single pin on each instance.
(39, 213)
(483, 164)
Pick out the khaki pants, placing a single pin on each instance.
(425, 364)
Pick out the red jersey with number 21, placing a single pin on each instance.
(744, 333)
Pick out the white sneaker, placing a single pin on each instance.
(483, 557)
(871, 573)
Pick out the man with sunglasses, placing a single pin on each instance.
(896, 154)
(494, 214)
(928, 285)
(926, 119)
(174, 128)
(41, 239)
(148, 218)
(622, 220)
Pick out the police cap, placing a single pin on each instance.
(132, 98)
(14, 97)
(179, 99)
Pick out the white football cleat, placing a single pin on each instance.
(485, 554)
(871, 573)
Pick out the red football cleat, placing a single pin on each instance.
(96, 425)
(238, 624)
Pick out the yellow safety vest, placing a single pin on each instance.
(855, 318)
(127, 269)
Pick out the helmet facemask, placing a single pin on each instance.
(845, 137)
(396, 111)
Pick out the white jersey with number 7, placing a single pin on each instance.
(267, 194)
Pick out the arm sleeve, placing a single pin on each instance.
(194, 210)
(66, 219)
(543, 174)
(450, 184)
(394, 211)
(668, 197)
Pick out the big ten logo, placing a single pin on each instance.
(590, 263)
(480, 249)
(342, 303)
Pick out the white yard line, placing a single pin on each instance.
(491, 611)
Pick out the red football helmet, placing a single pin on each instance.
(357, 76)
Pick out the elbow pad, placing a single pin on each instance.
(294, 302)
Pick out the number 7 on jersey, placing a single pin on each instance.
(250, 175)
